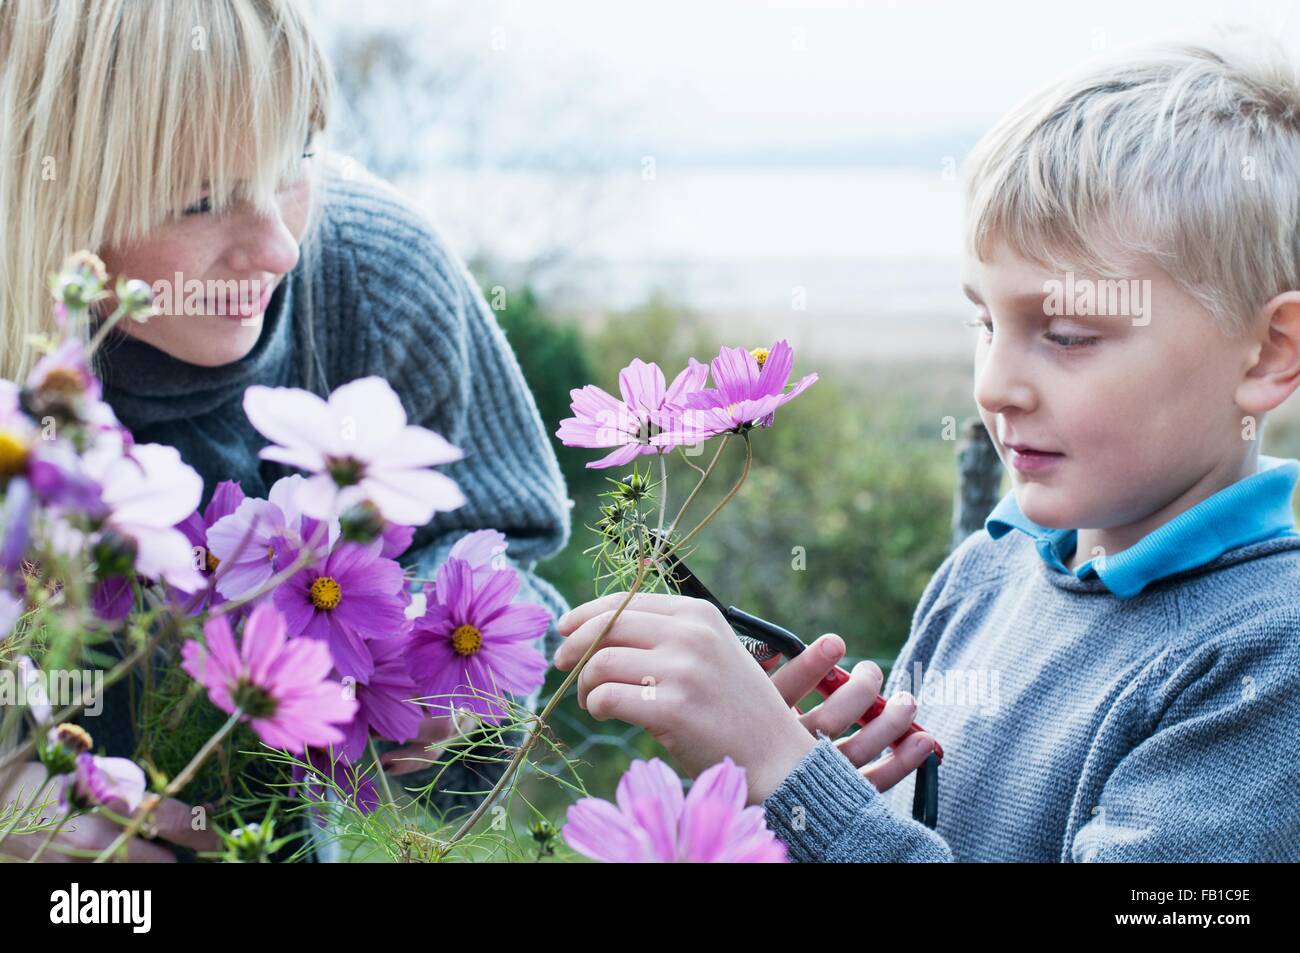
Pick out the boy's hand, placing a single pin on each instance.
(841, 711)
(672, 665)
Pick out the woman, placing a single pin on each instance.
(168, 135)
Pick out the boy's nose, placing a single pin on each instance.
(1000, 381)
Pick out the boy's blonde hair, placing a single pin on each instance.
(1188, 154)
(116, 114)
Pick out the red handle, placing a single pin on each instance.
(837, 677)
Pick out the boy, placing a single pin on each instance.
(1128, 690)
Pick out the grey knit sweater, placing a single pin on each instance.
(387, 297)
(1078, 726)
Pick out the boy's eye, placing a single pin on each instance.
(1062, 340)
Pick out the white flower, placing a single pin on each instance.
(358, 447)
(147, 493)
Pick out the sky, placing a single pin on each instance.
(729, 80)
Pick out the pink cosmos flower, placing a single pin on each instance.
(472, 643)
(748, 388)
(385, 705)
(354, 594)
(654, 823)
(629, 424)
(280, 684)
(358, 446)
(116, 783)
(225, 499)
(253, 542)
(484, 550)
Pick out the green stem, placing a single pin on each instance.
(118, 314)
(698, 486)
(749, 459)
(19, 813)
(49, 838)
(540, 721)
(383, 777)
(177, 783)
(663, 492)
(114, 675)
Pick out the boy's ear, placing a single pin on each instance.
(1276, 371)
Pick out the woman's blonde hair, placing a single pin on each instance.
(1187, 154)
(116, 114)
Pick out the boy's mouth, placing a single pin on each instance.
(1030, 450)
(1027, 459)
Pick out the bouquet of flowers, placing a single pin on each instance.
(280, 638)
(283, 625)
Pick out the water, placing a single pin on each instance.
(870, 245)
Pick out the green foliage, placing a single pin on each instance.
(845, 515)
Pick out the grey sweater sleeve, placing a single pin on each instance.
(825, 811)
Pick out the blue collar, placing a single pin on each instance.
(1253, 509)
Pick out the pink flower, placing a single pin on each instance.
(484, 550)
(225, 499)
(654, 823)
(254, 542)
(358, 447)
(351, 596)
(472, 642)
(385, 700)
(116, 783)
(630, 424)
(281, 685)
(748, 388)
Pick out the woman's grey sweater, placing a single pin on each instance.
(380, 294)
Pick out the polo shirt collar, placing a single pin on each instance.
(1252, 509)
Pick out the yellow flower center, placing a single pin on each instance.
(325, 593)
(466, 640)
(13, 454)
(213, 561)
(760, 355)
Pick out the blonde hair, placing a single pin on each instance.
(116, 114)
(1187, 154)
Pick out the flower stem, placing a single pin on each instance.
(117, 673)
(176, 784)
(49, 838)
(704, 475)
(540, 722)
(749, 459)
(663, 492)
(383, 777)
(18, 813)
(118, 314)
